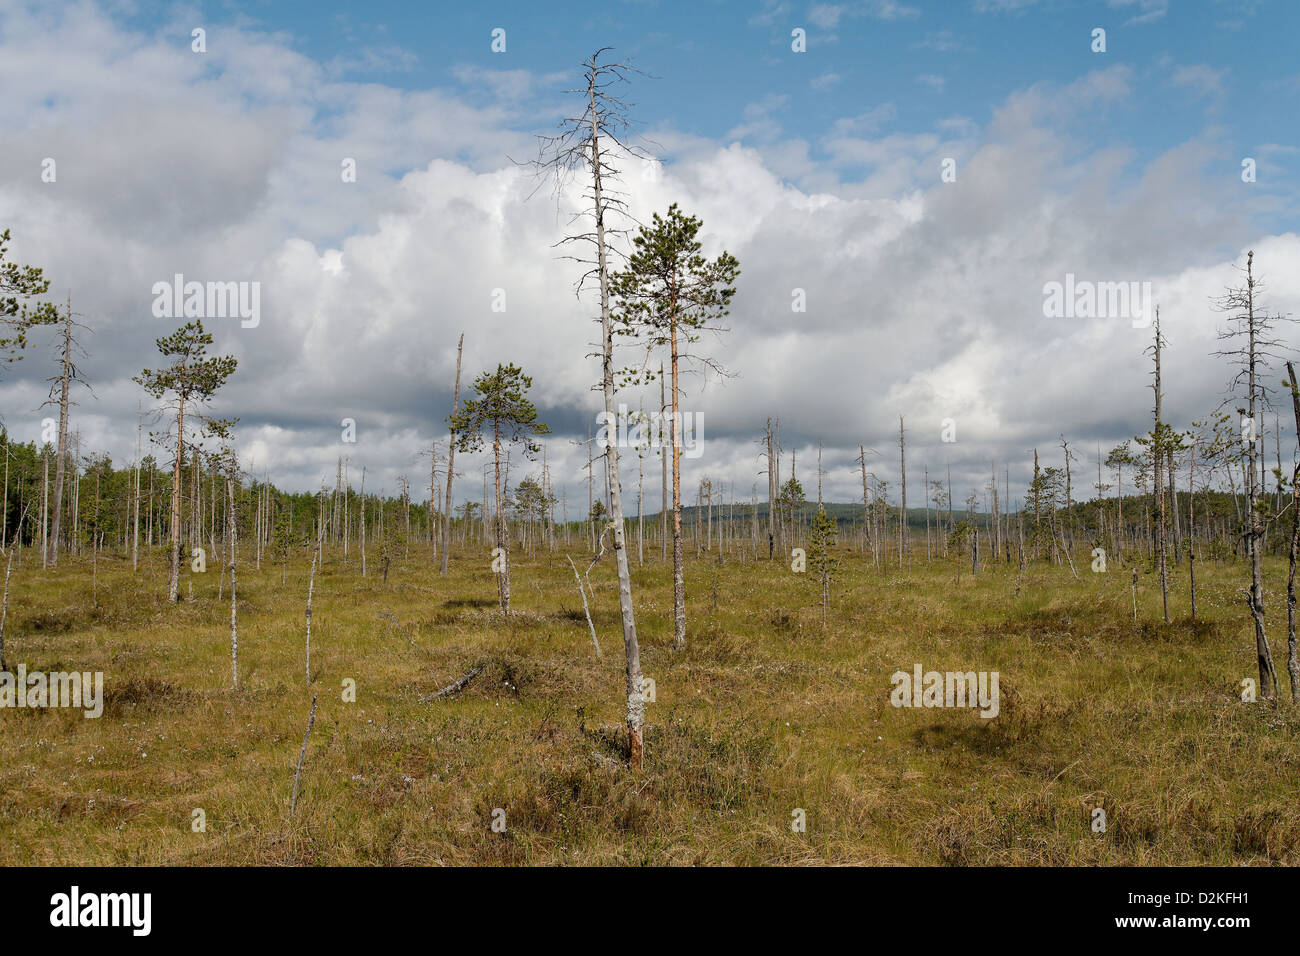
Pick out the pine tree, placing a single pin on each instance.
(667, 296)
(821, 556)
(17, 317)
(192, 379)
(503, 407)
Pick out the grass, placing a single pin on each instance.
(764, 712)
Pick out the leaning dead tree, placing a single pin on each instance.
(585, 607)
(586, 147)
(1253, 329)
(302, 755)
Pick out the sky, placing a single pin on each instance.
(915, 174)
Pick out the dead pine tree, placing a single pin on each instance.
(1069, 457)
(1157, 443)
(1292, 658)
(663, 469)
(771, 492)
(311, 584)
(1191, 528)
(9, 569)
(4, 609)
(234, 607)
(302, 755)
(362, 503)
(903, 550)
(1251, 327)
(451, 465)
(866, 508)
(588, 145)
(69, 350)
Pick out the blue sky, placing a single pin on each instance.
(818, 170)
(726, 69)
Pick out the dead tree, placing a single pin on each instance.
(451, 465)
(234, 620)
(866, 504)
(587, 145)
(69, 351)
(663, 461)
(9, 568)
(1292, 659)
(302, 755)
(1158, 445)
(311, 584)
(1191, 528)
(771, 492)
(903, 549)
(1246, 321)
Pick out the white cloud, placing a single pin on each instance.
(924, 298)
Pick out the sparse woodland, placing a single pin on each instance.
(1138, 601)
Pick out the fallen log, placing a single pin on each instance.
(455, 688)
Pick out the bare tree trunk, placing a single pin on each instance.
(663, 461)
(591, 496)
(1065, 449)
(65, 381)
(503, 576)
(4, 611)
(135, 541)
(866, 506)
(451, 461)
(781, 544)
(174, 582)
(1255, 535)
(679, 571)
(1173, 508)
(902, 517)
(585, 608)
(640, 497)
(311, 584)
(9, 568)
(771, 492)
(1157, 454)
(632, 651)
(234, 621)
(1292, 658)
(302, 755)
(45, 510)
(1292, 661)
(1191, 529)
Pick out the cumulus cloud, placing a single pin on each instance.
(924, 298)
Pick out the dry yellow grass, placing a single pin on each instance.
(766, 711)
